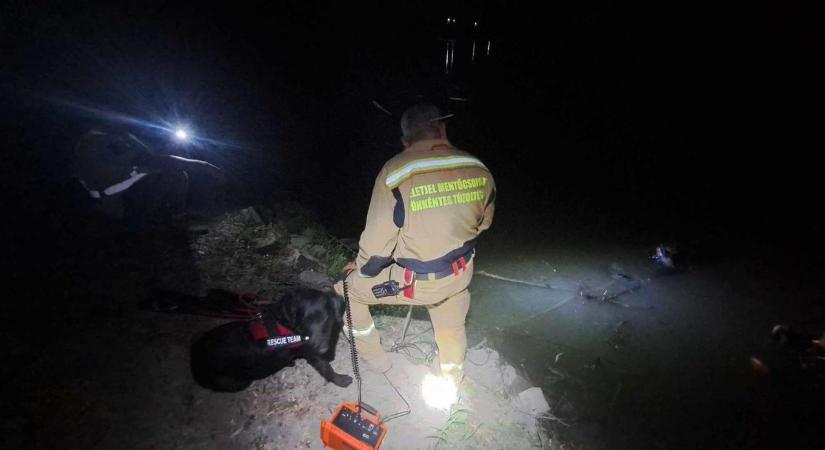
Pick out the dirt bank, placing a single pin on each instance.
(108, 374)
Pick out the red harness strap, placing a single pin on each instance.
(258, 329)
(460, 261)
(409, 282)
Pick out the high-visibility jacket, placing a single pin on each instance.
(429, 204)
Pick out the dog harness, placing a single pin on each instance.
(285, 338)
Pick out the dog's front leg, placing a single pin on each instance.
(326, 371)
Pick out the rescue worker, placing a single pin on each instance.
(429, 204)
(125, 178)
(106, 164)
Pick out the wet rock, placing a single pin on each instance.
(298, 241)
(508, 375)
(483, 356)
(265, 213)
(250, 216)
(315, 279)
(350, 243)
(532, 401)
(478, 365)
(302, 263)
(292, 258)
(197, 230)
(268, 249)
(516, 382)
(265, 241)
(317, 250)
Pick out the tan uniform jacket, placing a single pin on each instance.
(429, 204)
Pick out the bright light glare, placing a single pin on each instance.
(439, 392)
(181, 134)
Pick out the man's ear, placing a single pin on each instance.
(442, 131)
(404, 143)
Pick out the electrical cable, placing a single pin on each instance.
(467, 358)
(405, 349)
(353, 351)
(354, 356)
(398, 414)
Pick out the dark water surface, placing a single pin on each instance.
(668, 370)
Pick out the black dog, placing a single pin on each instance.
(228, 358)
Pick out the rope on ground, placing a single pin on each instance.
(517, 281)
(582, 290)
(409, 350)
(401, 413)
(467, 358)
(406, 324)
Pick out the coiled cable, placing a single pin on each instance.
(353, 351)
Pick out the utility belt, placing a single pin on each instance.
(392, 287)
(455, 268)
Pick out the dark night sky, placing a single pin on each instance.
(694, 111)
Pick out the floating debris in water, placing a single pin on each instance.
(666, 256)
(597, 363)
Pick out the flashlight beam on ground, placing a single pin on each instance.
(439, 392)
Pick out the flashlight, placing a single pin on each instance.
(181, 135)
(439, 392)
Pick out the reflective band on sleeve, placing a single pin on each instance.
(134, 177)
(125, 184)
(429, 164)
(356, 332)
(93, 193)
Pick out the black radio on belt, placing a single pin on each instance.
(386, 289)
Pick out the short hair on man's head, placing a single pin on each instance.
(419, 122)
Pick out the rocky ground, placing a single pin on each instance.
(107, 374)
